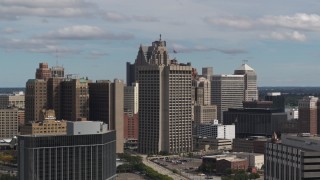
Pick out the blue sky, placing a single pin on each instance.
(280, 39)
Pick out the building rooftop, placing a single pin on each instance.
(244, 67)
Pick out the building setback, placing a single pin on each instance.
(84, 153)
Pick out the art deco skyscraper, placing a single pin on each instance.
(106, 105)
(164, 101)
(54, 95)
(250, 82)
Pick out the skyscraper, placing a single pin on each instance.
(106, 105)
(227, 91)
(8, 122)
(250, 82)
(164, 101)
(43, 72)
(35, 99)
(207, 72)
(57, 71)
(54, 95)
(74, 98)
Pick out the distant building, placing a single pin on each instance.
(131, 126)
(57, 71)
(257, 104)
(17, 99)
(35, 99)
(215, 130)
(45, 127)
(278, 100)
(254, 144)
(106, 105)
(295, 157)
(255, 160)
(131, 98)
(202, 91)
(207, 72)
(292, 113)
(88, 151)
(54, 95)
(308, 115)
(74, 98)
(255, 121)
(227, 91)
(204, 114)
(236, 163)
(43, 72)
(250, 82)
(211, 143)
(8, 122)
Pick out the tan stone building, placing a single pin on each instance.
(45, 127)
(8, 122)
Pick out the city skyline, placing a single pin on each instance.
(97, 38)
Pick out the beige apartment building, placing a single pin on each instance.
(8, 122)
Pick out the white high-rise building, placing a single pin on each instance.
(131, 98)
(250, 82)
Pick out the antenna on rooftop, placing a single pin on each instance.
(244, 61)
(57, 57)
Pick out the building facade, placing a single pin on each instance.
(78, 155)
(308, 115)
(131, 98)
(131, 126)
(43, 72)
(106, 105)
(255, 121)
(296, 157)
(164, 101)
(17, 99)
(227, 91)
(250, 82)
(204, 114)
(9, 122)
(215, 130)
(35, 99)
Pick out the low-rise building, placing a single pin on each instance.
(236, 163)
(210, 143)
(253, 144)
(215, 130)
(255, 160)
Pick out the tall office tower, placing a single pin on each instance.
(87, 152)
(12, 100)
(207, 72)
(164, 108)
(35, 99)
(164, 102)
(131, 73)
(57, 71)
(74, 98)
(8, 122)
(43, 72)
(131, 98)
(250, 82)
(296, 157)
(54, 95)
(278, 100)
(308, 114)
(106, 105)
(227, 92)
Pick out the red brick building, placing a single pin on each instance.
(131, 126)
(239, 164)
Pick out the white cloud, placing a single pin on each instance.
(115, 17)
(301, 21)
(84, 32)
(295, 36)
(12, 9)
(233, 22)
